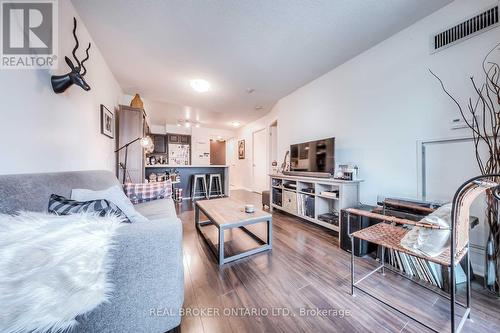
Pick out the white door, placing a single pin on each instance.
(259, 160)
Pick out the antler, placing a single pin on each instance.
(76, 40)
(83, 61)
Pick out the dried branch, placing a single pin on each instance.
(487, 102)
(455, 101)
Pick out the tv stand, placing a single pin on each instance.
(310, 197)
(308, 174)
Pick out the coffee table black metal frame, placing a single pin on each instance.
(219, 250)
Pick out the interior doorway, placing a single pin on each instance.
(259, 161)
(217, 152)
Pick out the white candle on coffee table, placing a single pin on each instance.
(249, 208)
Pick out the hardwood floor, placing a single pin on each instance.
(305, 271)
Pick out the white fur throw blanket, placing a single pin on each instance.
(52, 268)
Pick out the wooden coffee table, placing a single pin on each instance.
(227, 213)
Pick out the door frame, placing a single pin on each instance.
(254, 189)
(273, 123)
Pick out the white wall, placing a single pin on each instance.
(378, 104)
(41, 131)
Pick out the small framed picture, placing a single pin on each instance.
(241, 149)
(107, 122)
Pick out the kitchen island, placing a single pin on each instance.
(187, 171)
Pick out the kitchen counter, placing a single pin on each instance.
(185, 166)
(187, 171)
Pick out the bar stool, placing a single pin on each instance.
(215, 179)
(195, 192)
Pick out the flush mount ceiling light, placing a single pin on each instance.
(259, 107)
(200, 85)
(235, 124)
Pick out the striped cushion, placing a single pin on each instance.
(60, 205)
(143, 192)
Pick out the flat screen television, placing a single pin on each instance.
(313, 156)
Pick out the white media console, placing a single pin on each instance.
(291, 193)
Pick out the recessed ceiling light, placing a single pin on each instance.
(259, 107)
(200, 85)
(235, 124)
(179, 124)
(187, 124)
(197, 125)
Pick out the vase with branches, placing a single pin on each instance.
(482, 115)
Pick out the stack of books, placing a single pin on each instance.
(424, 270)
(305, 205)
(415, 267)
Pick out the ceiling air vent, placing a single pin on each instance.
(466, 29)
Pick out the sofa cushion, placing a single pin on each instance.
(113, 194)
(157, 209)
(60, 205)
(144, 192)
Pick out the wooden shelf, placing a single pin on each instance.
(326, 197)
(173, 183)
(327, 225)
(307, 193)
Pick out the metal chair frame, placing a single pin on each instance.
(195, 193)
(215, 179)
(452, 296)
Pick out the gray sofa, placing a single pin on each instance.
(148, 268)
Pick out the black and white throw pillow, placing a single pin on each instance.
(63, 206)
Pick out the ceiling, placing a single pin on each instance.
(156, 47)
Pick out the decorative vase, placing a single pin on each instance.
(492, 262)
(491, 267)
(137, 102)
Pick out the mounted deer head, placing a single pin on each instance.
(62, 82)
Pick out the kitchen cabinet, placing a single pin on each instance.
(160, 143)
(173, 138)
